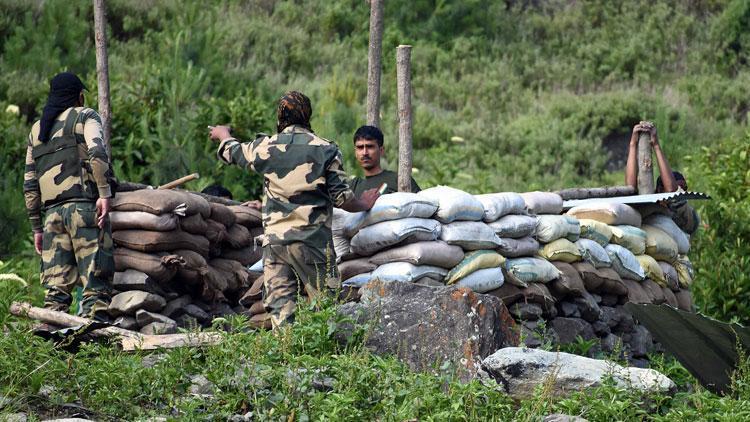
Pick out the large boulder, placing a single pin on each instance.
(426, 327)
(127, 303)
(519, 371)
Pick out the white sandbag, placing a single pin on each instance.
(437, 253)
(624, 263)
(388, 233)
(497, 205)
(346, 223)
(399, 205)
(522, 271)
(608, 213)
(470, 235)
(340, 240)
(257, 267)
(594, 253)
(514, 248)
(543, 202)
(630, 237)
(406, 272)
(514, 226)
(667, 225)
(484, 280)
(552, 227)
(454, 204)
(358, 280)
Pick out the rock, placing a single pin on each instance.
(126, 322)
(424, 326)
(247, 417)
(526, 311)
(149, 361)
(627, 323)
(610, 343)
(609, 300)
(589, 309)
(201, 386)
(600, 328)
(559, 417)
(569, 309)
(196, 312)
(530, 338)
(535, 293)
(159, 328)
(126, 303)
(16, 417)
(568, 329)
(135, 280)
(640, 363)
(597, 298)
(68, 420)
(222, 309)
(145, 317)
(641, 343)
(173, 309)
(187, 322)
(520, 371)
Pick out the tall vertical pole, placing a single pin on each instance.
(645, 165)
(403, 79)
(374, 58)
(102, 71)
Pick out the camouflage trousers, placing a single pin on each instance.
(286, 268)
(75, 250)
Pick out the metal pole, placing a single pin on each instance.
(403, 79)
(374, 57)
(102, 71)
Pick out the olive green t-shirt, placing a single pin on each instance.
(359, 185)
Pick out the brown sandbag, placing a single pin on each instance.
(253, 294)
(160, 268)
(194, 224)
(600, 280)
(222, 214)
(248, 217)
(215, 232)
(126, 220)
(236, 274)
(654, 291)
(261, 321)
(161, 201)
(670, 298)
(569, 284)
(636, 293)
(589, 276)
(684, 300)
(195, 269)
(535, 293)
(436, 253)
(148, 241)
(238, 236)
(246, 256)
(349, 269)
(257, 308)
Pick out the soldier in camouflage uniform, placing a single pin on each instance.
(303, 179)
(68, 179)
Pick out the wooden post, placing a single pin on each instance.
(403, 79)
(102, 71)
(374, 68)
(645, 165)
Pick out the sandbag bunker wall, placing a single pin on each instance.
(181, 260)
(564, 277)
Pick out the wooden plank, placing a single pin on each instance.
(403, 79)
(599, 192)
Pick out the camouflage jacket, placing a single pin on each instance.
(303, 179)
(66, 168)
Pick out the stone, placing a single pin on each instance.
(429, 327)
(609, 300)
(149, 361)
(641, 343)
(247, 417)
(587, 306)
(126, 322)
(597, 298)
(16, 417)
(534, 293)
(569, 309)
(530, 338)
(187, 322)
(222, 309)
(526, 311)
(196, 312)
(600, 328)
(173, 309)
(609, 316)
(159, 328)
(145, 317)
(627, 323)
(201, 386)
(519, 371)
(568, 329)
(135, 280)
(610, 343)
(559, 417)
(126, 303)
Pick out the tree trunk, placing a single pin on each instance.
(102, 72)
(603, 192)
(645, 165)
(403, 78)
(374, 58)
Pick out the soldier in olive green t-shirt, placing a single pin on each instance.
(368, 148)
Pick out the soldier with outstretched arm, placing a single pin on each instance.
(303, 179)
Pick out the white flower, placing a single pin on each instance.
(13, 109)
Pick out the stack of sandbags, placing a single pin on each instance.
(179, 259)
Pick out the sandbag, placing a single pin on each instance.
(569, 284)
(436, 253)
(254, 293)
(514, 226)
(654, 291)
(560, 250)
(399, 205)
(474, 261)
(470, 235)
(429, 281)
(593, 253)
(636, 292)
(340, 240)
(522, 271)
(543, 202)
(358, 280)
(534, 293)
(684, 269)
(669, 297)
(624, 263)
(195, 269)
(160, 268)
(222, 214)
(668, 226)
(161, 201)
(388, 233)
(659, 244)
(248, 217)
(515, 248)
(597, 231)
(684, 300)
(497, 205)
(126, 220)
(148, 241)
(629, 237)
(245, 256)
(484, 280)
(608, 213)
(238, 236)
(600, 280)
(256, 308)
(454, 204)
(552, 227)
(261, 321)
(652, 269)
(406, 272)
(670, 275)
(194, 224)
(215, 232)
(349, 269)
(237, 276)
